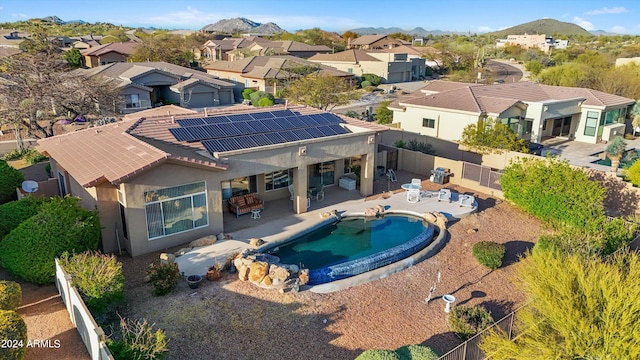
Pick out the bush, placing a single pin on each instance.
(97, 276)
(489, 254)
(10, 179)
(33, 156)
(246, 93)
(14, 330)
(13, 213)
(378, 354)
(14, 154)
(372, 78)
(633, 173)
(417, 352)
(265, 101)
(138, 341)
(468, 321)
(422, 147)
(399, 144)
(365, 84)
(257, 95)
(164, 277)
(383, 114)
(352, 114)
(29, 251)
(10, 295)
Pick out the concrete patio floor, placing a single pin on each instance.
(278, 221)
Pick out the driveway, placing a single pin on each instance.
(507, 71)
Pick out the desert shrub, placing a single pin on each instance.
(246, 93)
(14, 330)
(467, 321)
(10, 295)
(417, 352)
(164, 276)
(33, 156)
(10, 179)
(138, 340)
(489, 253)
(384, 115)
(265, 101)
(352, 114)
(633, 173)
(13, 213)
(365, 84)
(370, 88)
(14, 154)
(378, 354)
(97, 276)
(400, 144)
(420, 146)
(29, 251)
(257, 95)
(372, 78)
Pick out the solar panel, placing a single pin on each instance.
(288, 135)
(258, 127)
(190, 122)
(181, 134)
(275, 138)
(216, 120)
(319, 119)
(240, 117)
(326, 130)
(246, 141)
(307, 120)
(287, 123)
(213, 131)
(197, 132)
(302, 134)
(315, 132)
(262, 115)
(230, 129)
(338, 129)
(261, 139)
(331, 118)
(245, 127)
(282, 113)
(229, 144)
(272, 124)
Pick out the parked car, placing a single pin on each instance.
(535, 148)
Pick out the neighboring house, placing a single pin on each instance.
(108, 53)
(540, 42)
(375, 42)
(443, 109)
(163, 181)
(266, 73)
(60, 41)
(237, 48)
(12, 38)
(627, 61)
(148, 84)
(391, 67)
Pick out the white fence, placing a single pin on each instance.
(92, 335)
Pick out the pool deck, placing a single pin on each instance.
(283, 223)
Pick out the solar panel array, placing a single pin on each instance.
(241, 131)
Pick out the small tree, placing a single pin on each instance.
(372, 78)
(633, 173)
(74, 58)
(10, 295)
(489, 136)
(10, 179)
(615, 150)
(321, 91)
(13, 332)
(246, 93)
(383, 115)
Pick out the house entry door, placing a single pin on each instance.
(561, 126)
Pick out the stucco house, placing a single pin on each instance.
(162, 181)
(148, 84)
(108, 53)
(231, 49)
(390, 66)
(266, 73)
(372, 42)
(443, 109)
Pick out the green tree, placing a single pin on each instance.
(383, 114)
(489, 136)
(615, 150)
(164, 47)
(74, 58)
(581, 309)
(401, 36)
(534, 67)
(10, 179)
(321, 91)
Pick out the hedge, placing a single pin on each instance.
(417, 352)
(14, 330)
(10, 179)
(10, 295)
(13, 213)
(29, 251)
(378, 354)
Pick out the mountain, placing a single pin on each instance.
(390, 30)
(602, 33)
(241, 25)
(53, 19)
(543, 26)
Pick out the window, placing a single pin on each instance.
(429, 123)
(176, 209)
(278, 179)
(238, 186)
(352, 165)
(591, 123)
(131, 101)
(63, 186)
(350, 70)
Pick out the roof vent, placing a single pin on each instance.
(173, 119)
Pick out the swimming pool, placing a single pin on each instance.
(630, 156)
(355, 245)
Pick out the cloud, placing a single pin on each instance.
(20, 16)
(583, 23)
(619, 29)
(484, 29)
(603, 11)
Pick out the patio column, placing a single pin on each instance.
(366, 174)
(300, 185)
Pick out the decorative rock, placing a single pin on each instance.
(370, 212)
(255, 242)
(278, 272)
(303, 276)
(267, 281)
(228, 236)
(167, 258)
(379, 209)
(471, 231)
(243, 273)
(293, 268)
(182, 251)
(430, 217)
(258, 271)
(220, 236)
(147, 278)
(325, 215)
(205, 241)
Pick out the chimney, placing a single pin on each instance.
(173, 119)
(286, 104)
(206, 113)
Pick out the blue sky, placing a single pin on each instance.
(475, 16)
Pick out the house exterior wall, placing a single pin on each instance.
(448, 124)
(111, 57)
(155, 78)
(144, 98)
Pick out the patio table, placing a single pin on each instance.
(411, 187)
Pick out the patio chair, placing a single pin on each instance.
(444, 195)
(467, 200)
(291, 191)
(317, 193)
(416, 182)
(413, 196)
(391, 175)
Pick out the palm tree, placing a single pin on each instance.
(615, 149)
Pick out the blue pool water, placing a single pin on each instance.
(630, 156)
(355, 245)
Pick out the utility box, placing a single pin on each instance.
(441, 175)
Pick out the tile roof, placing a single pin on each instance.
(352, 55)
(499, 97)
(263, 67)
(367, 39)
(116, 152)
(124, 48)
